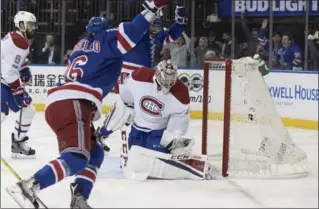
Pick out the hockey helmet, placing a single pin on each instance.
(156, 26)
(166, 74)
(25, 17)
(97, 24)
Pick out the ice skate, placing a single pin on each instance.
(77, 200)
(25, 192)
(19, 149)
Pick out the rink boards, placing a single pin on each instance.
(295, 94)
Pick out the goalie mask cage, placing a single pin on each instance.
(249, 135)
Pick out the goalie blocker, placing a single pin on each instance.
(156, 145)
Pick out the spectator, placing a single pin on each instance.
(210, 54)
(227, 46)
(313, 44)
(290, 54)
(213, 44)
(277, 43)
(33, 52)
(179, 50)
(200, 51)
(251, 37)
(50, 52)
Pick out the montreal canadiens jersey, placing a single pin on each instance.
(143, 54)
(95, 63)
(14, 50)
(153, 108)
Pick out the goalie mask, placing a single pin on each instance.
(166, 75)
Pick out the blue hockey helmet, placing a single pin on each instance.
(156, 26)
(158, 21)
(97, 24)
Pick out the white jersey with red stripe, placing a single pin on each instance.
(155, 110)
(95, 63)
(14, 50)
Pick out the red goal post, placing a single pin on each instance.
(240, 123)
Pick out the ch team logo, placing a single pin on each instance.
(151, 106)
(193, 82)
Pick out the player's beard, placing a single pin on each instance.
(29, 35)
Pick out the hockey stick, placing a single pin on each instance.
(15, 174)
(129, 174)
(20, 116)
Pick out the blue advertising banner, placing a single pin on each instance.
(260, 8)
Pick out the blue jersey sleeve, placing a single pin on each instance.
(126, 36)
(170, 35)
(296, 56)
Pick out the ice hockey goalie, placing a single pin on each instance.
(157, 104)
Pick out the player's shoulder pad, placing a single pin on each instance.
(180, 92)
(143, 75)
(18, 40)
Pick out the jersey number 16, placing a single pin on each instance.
(74, 70)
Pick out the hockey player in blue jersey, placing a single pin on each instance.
(92, 71)
(143, 54)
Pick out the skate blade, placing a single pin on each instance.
(16, 193)
(21, 156)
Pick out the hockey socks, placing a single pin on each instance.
(86, 178)
(66, 165)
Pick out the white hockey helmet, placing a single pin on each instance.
(166, 74)
(25, 17)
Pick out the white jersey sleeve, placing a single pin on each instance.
(125, 91)
(179, 122)
(14, 50)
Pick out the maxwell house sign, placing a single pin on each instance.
(261, 7)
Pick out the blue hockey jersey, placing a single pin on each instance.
(290, 55)
(95, 63)
(143, 53)
(264, 41)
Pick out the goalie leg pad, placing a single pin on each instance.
(166, 166)
(119, 116)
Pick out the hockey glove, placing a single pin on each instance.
(154, 5)
(25, 74)
(21, 97)
(181, 15)
(181, 145)
(102, 134)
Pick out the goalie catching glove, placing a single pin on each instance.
(176, 143)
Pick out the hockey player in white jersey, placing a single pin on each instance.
(157, 103)
(15, 72)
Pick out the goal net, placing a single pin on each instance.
(250, 136)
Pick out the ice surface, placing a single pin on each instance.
(111, 190)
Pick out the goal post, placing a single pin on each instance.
(240, 123)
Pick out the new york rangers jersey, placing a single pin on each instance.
(155, 110)
(290, 55)
(143, 54)
(95, 63)
(14, 50)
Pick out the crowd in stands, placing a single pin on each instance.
(214, 41)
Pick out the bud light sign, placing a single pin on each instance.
(261, 7)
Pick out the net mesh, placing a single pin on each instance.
(259, 144)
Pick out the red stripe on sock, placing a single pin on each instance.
(89, 174)
(58, 170)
